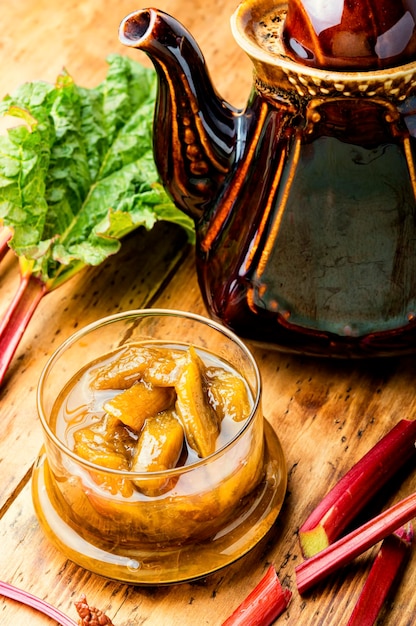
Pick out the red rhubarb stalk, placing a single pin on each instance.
(35, 603)
(387, 565)
(16, 318)
(264, 604)
(5, 236)
(343, 551)
(355, 489)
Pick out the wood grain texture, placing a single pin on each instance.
(327, 414)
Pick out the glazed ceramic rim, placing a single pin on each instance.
(239, 26)
(143, 313)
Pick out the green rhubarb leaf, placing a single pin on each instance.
(24, 162)
(77, 172)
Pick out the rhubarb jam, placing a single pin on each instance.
(152, 448)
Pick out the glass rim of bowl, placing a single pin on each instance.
(148, 312)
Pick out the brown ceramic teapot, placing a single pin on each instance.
(304, 202)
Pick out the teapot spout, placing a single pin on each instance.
(194, 129)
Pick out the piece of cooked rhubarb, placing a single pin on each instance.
(386, 567)
(264, 604)
(343, 551)
(339, 507)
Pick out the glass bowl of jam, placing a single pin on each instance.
(158, 465)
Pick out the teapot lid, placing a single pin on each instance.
(350, 34)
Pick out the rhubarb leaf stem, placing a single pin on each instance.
(17, 317)
(343, 551)
(263, 605)
(5, 236)
(354, 490)
(35, 603)
(386, 567)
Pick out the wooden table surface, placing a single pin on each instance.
(326, 414)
